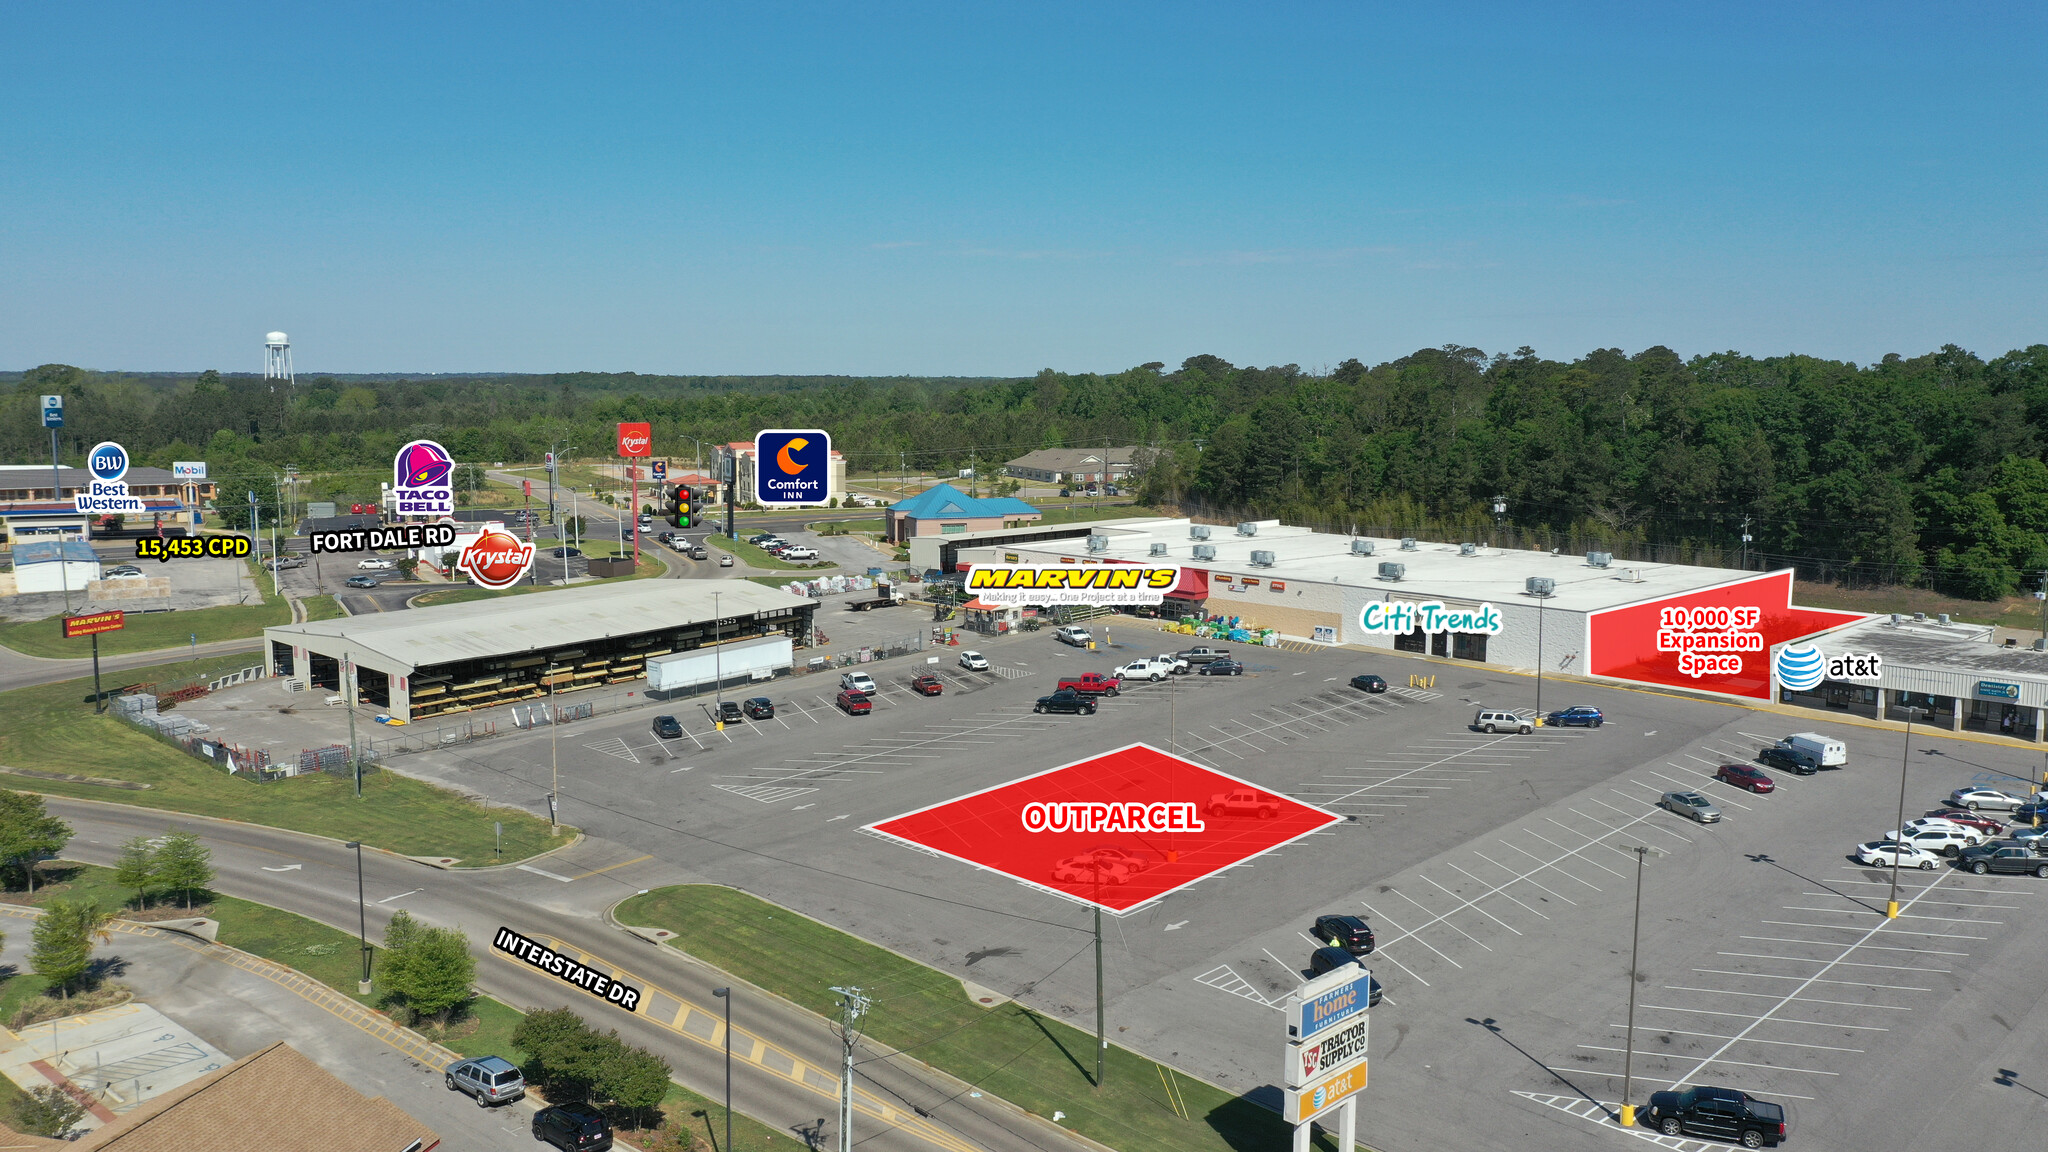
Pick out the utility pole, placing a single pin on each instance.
(1745, 550)
(1101, 1040)
(1500, 509)
(2042, 596)
(853, 1004)
(348, 685)
(276, 572)
(57, 495)
(1628, 1062)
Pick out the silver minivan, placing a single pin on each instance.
(490, 1079)
(1494, 720)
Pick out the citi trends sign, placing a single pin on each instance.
(107, 492)
(1400, 618)
(792, 467)
(495, 559)
(423, 480)
(1015, 585)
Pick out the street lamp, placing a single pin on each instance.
(717, 665)
(1628, 1063)
(725, 994)
(362, 919)
(1891, 908)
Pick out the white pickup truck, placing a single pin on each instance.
(1150, 668)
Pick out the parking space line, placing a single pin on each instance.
(1730, 1063)
(1751, 1040)
(1837, 944)
(1811, 980)
(1476, 908)
(1448, 924)
(1943, 903)
(1589, 844)
(1708, 782)
(1801, 999)
(1774, 1019)
(1406, 935)
(1509, 895)
(1902, 915)
(1817, 960)
(1858, 927)
(1541, 864)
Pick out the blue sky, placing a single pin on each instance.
(954, 188)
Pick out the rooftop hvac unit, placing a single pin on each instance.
(1247, 529)
(1407, 543)
(1540, 586)
(1896, 617)
(1943, 617)
(1205, 551)
(1468, 549)
(1262, 559)
(1599, 559)
(1098, 543)
(1361, 547)
(1391, 571)
(1198, 531)
(1159, 548)
(1920, 617)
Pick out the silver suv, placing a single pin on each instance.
(490, 1079)
(1493, 720)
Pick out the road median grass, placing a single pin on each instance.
(52, 728)
(1017, 1053)
(757, 558)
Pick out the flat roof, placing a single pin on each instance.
(1929, 644)
(420, 637)
(1432, 569)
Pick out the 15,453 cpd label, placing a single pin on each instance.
(167, 548)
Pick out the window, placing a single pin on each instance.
(951, 529)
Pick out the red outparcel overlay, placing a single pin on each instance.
(1117, 830)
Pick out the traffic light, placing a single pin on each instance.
(679, 500)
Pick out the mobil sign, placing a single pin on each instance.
(1719, 639)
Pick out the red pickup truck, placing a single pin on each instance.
(1091, 684)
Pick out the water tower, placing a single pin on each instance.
(277, 359)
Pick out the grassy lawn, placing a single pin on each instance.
(144, 633)
(322, 608)
(52, 728)
(1012, 1051)
(749, 555)
(2018, 612)
(872, 527)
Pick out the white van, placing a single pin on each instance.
(1825, 752)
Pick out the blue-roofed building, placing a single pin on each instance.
(943, 510)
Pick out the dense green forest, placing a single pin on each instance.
(1926, 471)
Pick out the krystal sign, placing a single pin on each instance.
(496, 558)
(1116, 830)
(1718, 639)
(636, 440)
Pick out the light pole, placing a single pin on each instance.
(1891, 908)
(1540, 598)
(725, 994)
(1500, 509)
(554, 760)
(1628, 1062)
(717, 666)
(362, 919)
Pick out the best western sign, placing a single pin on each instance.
(1050, 584)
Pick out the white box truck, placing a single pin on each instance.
(1825, 752)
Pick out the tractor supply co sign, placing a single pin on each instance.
(1115, 831)
(1313, 1060)
(1719, 639)
(1048, 585)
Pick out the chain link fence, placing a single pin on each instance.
(888, 649)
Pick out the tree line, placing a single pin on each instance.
(1926, 470)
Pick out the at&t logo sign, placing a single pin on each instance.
(1801, 667)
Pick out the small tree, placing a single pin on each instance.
(634, 1078)
(183, 864)
(135, 867)
(429, 969)
(64, 935)
(28, 833)
(47, 1111)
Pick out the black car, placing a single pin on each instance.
(1330, 959)
(2003, 856)
(361, 581)
(573, 1128)
(1066, 492)
(2025, 813)
(1718, 1114)
(1369, 683)
(729, 712)
(760, 708)
(667, 728)
(1224, 667)
(1577, 716)
(1067, 700)
(565, 553)
(756, 540)
(1788, 760)
(1350, 933)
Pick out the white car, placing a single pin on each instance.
(1153, 670)
(974, 661)
(1173, 662)
(1926, 822)
(376, 564)
(118, 574)
(1975, 798)
(1073, 634)
(1941, 841)
(1883, 852)
(858, 682)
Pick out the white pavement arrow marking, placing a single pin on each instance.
(842, 816)
(400, 896)
(286, 868)
(801, 807)
(1176, 927)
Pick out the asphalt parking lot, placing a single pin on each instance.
(1493, 868)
